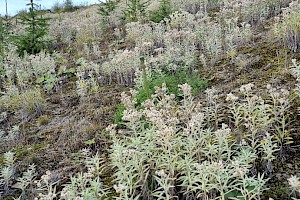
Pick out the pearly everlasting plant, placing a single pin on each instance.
(295, 71)
(252, 11)
(86, 185)
(29, 69)
(263, 123)
(167, 150)
(287, 29)
(88, 25)
(122, 66)
(7, 172)
(180, 20)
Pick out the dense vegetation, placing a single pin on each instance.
(162, 99)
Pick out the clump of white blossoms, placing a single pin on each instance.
(294, 183)
(231, 97)
(168, 148)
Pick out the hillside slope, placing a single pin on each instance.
(104, 111)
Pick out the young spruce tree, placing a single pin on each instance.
(68, 6)
(105, 8)
(135, 9)
(33, 40)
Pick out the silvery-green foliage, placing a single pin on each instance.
(26, 180)
(235, 34)
(13, 133)
(139, 33)
(6, 174)
(252, 11)
(90, 51)
(256, 184)
(94, 164)
(257, 118)
(119, 68)
(167, 146)
(180, 50)
(295, 71)
(27, 177)
(14, 130)
(31, 103)
(9, 159)
(83, 65)
(51, 194)
(5, 27)
(2, 133)
(64, 30)
(45, 187)
(244, 111)
(269, 148)
(287, 29)
(172, 45)
(86, 185)
(27, 69)
(138, 80)
(88, 77)
(11, 65)
(201, 7)
(42, 63)
(3, 116)
(25, 103)
(294, 182)
(212, 42)
(213, 109)
(254, 117)
(11, 92)
(122, 65)
(81, 87)
(281, 103)
(220, 36)
(7, 171)
(180, 20)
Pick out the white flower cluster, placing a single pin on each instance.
(167, 140)
(86, 185)
(294, 183)
(264, 118)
